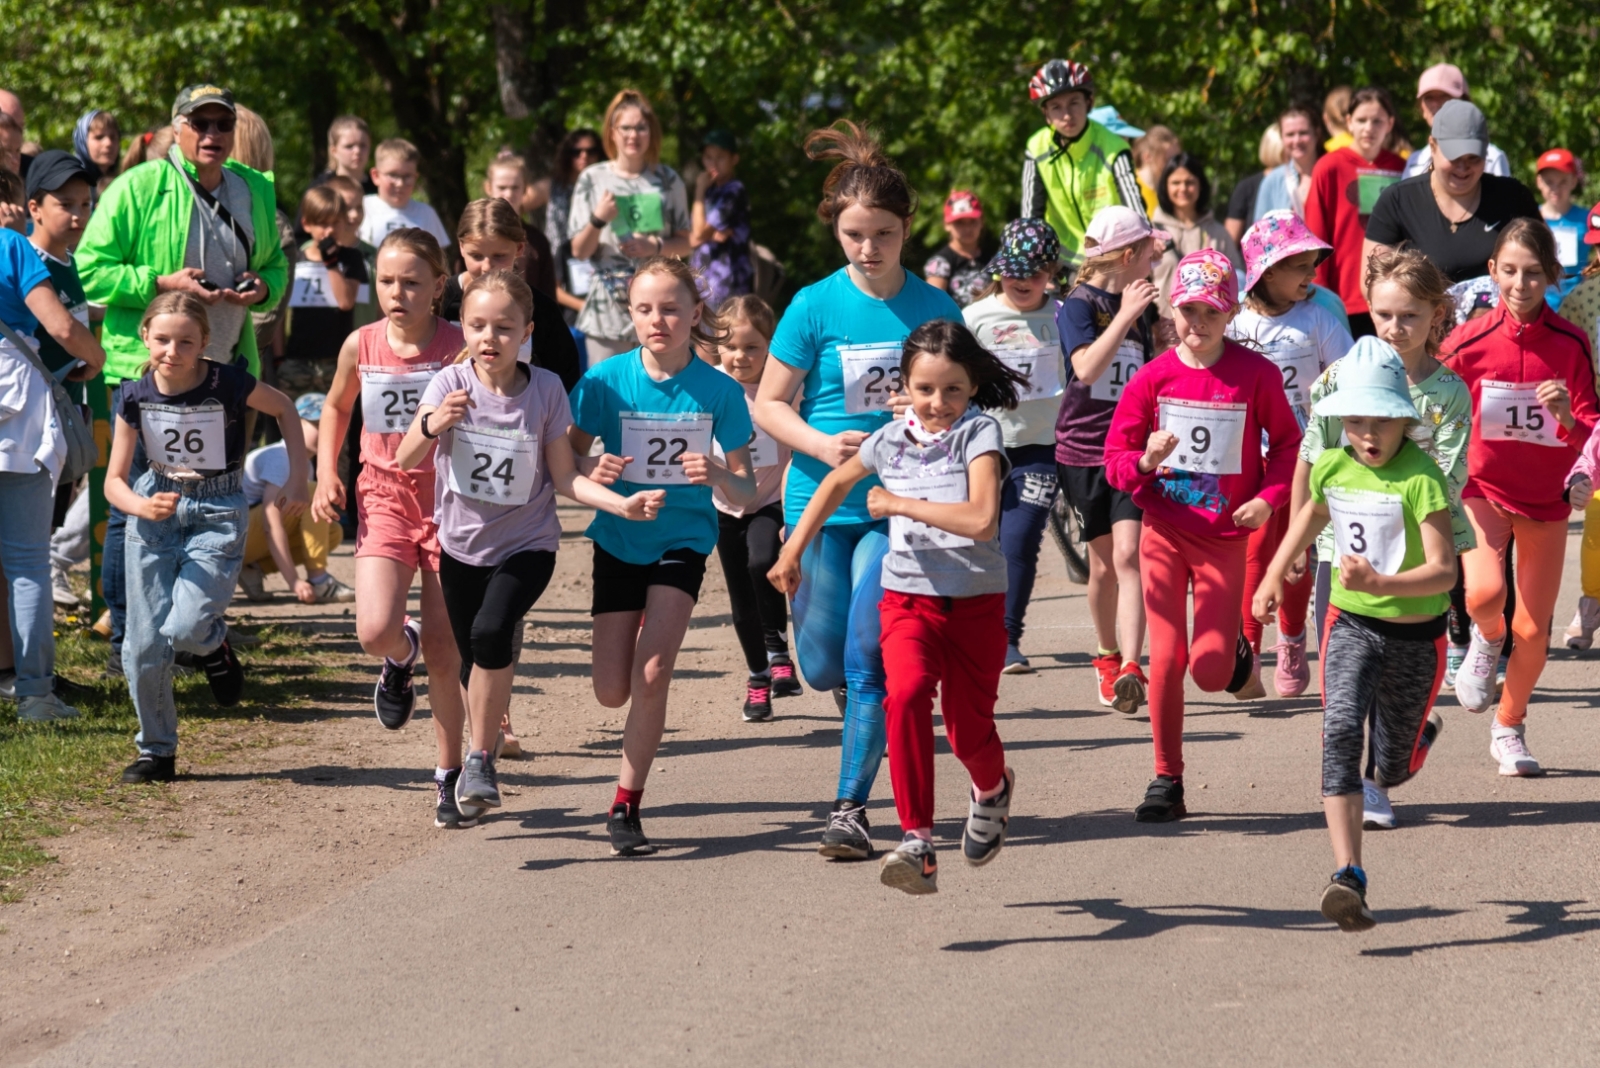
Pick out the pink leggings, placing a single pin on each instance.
(1264, 542)
(1541, 553)
(1169, 560)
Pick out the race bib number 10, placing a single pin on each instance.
(871, 373)
(1210, 436)
(1510, 411)
(1368, 524)
(1126, 362)
(658, 443)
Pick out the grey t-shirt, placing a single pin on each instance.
(922, 559)
(216, 249)
(658, 190)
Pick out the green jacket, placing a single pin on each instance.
(1065, 184)
(139, 231)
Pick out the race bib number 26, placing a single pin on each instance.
(185, 438)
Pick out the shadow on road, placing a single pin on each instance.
(1540, 920)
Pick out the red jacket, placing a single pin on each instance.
(1523, 476)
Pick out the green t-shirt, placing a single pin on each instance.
(1377, 512)
(64, 280)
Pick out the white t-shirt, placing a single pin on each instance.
(1494, 162)
(263, 467)
(997, 328)
(381, 220)
(1303, 342)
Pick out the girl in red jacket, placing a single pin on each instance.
(1533, 409)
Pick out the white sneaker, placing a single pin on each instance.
(254, 583)
(61, 591)
(1580, 635)
(1510, 750)
(1377, 814)
(331, 590)
(44, 708)
(1475, 680)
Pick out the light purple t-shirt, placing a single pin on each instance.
(506, 453)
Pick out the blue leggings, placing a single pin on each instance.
(836, 640)
(1025, 501)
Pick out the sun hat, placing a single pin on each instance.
(1027, 246)
(1460, 129)
(1115, 227)
(309, 406)
(1443, 78)
(1275, 237)
(961, 204)
(1111, 119)
(1371, 382)
(1558, 159)
(1205, 277)
(1475, 294)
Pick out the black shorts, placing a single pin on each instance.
(623, 587)
(1095, 502)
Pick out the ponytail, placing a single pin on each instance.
(864, 177)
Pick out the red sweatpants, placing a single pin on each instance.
(1169, 561)
(1263, 546)
(958, 646)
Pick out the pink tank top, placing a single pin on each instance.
(392, 387)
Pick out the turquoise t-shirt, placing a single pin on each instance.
(656, 423)
(822, 318)
(1570, 250)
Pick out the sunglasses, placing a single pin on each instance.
(208, 126)
(586, 150)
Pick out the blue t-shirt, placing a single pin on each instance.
(619, 391)
(822, 317)
(20, 270)
(1570, 250)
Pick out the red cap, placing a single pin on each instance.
(1558, 159)
(961, 204)
(1592, 237)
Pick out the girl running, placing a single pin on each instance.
(1184, 442)
(659, 409)
(1015, 318)
(1280, 320)
(944, 582)
(749, 537)
(1106, 335)
(387, 366)
(1383, 656)
(1533, 406)
(841, 339)
(504, 456)
(186, 515)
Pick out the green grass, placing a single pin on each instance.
(55, 774)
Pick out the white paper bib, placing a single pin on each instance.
(871, 373)
(1300, 367)
(497, 466)
(1510, 411)
(658, 442)
(185, 439)
(909, 535)
(1041, 365)
(311, 288)
(1369, 524)
(389, 399)
(763, 449)
(1125, 363)
(1210, 436)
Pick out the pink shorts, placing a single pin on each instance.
(394, 517)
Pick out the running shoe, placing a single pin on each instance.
(841, 697)
(448, 814)
(758, 699)
(1106, 670)
(1376, 812)
(151, 768)
(1345, 900)
(1454, 657)
(224, 673)
(1430, 734)
(911, 867)
(1292, 674)
(44, 708)
(477, 786)
(1163, 802)
(627, 835)
(1130, 688)
(1251, 689)
(62, 593)
(332, 591)
(848, 835)
(253, 581)
(1016, 663)
(986, 824)
(1580, 634)
(1509, 747)
(785, 683)
(395, 698)
(1475, 680)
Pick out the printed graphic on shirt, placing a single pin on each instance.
(1194, 490)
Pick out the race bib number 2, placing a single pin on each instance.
(871, 374)
(659, 442)
(1210, 436)
(763, 450)
(1368, 524)
(1510, 411)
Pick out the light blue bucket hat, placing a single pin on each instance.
(1372, 383)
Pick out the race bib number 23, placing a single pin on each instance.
(871, 374)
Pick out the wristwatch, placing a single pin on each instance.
(597, 222)
(424, 426)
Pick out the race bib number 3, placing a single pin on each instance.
(908, 535)
(659, 442)
(1369, 524)
(1210, 436)
(1041, 366)
(492, 465)
(1127, 360)
(1510, 411)
(185, 438)
(389, 400)
(871, 373)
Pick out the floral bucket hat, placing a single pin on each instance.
(1275, 237)
(1027, 246)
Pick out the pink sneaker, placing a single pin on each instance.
(1292, 675)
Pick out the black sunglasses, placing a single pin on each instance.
(585, 150)
(206, 126)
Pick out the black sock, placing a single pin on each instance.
(1243, 660)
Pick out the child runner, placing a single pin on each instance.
(1559, 174)
(503, 456)
(659, 409)
(1015, 318)
(386, 366)
(958, 265)
(186, 516)
(841, 339)
(749, 536)
(1383, 656)
(1106, 335)
(944, 582)
(329, 279)
(1533, 404)
(1280, 320)
(1411, 311)
(1184, 441)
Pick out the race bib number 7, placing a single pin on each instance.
(1368, 524)
(871, 374)
(185, 439)
(496, 466)
(1510, 411)
(1042, 368)
(658, 443)
(1210, 436)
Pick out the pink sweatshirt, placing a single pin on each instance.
(1229, 405)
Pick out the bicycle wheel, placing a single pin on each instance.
(1063, 525)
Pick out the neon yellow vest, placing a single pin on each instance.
(1078, 181)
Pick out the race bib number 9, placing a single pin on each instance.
(871, 373)
(1300, 367)
(909, 535)
(193, 439)
(311, 288)
(1127, 360)
(763, 449)
(1369, 524)
(1041, 366)
(659, 442)
(389, 400)
(1510, 411)
(1210, 436)
(492, 465)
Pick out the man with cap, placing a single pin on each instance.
(1440, 84)
(1559, 175)
(959, 265)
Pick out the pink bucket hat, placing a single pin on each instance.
(1205, 277)
(1276, 236)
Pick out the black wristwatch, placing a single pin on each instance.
(424, 426)
(597, 222)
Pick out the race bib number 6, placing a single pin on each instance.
(871, 373)
(496, 466)
(1510, 411)
(1368, 524)
(185, 438)
(658, 443)
(909, 535)
(1210, 436)
(389, 401)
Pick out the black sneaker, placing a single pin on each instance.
(849, 836)
(114, 665)
(150, 768)
(627, 836)
(986, 824)
(448, 814)
(1345, 901)
(1163, 802)
(758, 700)
(395, 698)
(224, 673)
(785, 683)
(841, 698)
(71, 692)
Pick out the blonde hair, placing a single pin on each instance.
(420, 244)
(1270, 152)
(1336, 109)
(490, 217)
(252, 141)
(712, 329)
(176, 302)
(507, 282)
(507, 161)
(631, 98)
(1422, 281)
(1105, 262)
(1157, 138)
(347, 122)
(321, 205)
(396, 148)
(749, 308)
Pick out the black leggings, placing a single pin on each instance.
(748, 547)
(486, 604)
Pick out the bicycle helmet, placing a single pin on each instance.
(1059, 76)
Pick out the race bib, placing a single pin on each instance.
(389, 399)
(1127, 360)
(658, 443)
(311, 289)
(763, 449)
(909, 535)
(1210, 436)
(1567, 246)
(1300, 367)
(185, 439)
(1042, 366)
(493, 465)
(580, 277)
(1510, 411)
(1369, 524)
(871, 373)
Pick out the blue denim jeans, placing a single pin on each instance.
(26, 503)
(112, 566)
(180, 577)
